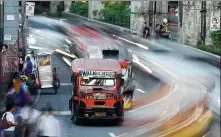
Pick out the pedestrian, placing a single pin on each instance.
(4, 47)
(22, 59)
(29, 67)
(164, 32)
(30, 116)
(146, 31)
(48, 125)
(8, 116)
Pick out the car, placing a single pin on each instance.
(47, 32)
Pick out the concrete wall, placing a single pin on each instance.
(67, 5)
(11, 21)
(93, 9)
(53, 7)
(192, 20)
(139, 7)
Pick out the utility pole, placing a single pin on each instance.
(180, 22)
(1, 22)
(154, 17)
(151, 17)
(203, 21)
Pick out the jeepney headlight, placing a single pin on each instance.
(110, 96)
(89, 97)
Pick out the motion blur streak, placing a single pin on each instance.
(196, 128)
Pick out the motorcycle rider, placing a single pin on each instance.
(164, 32)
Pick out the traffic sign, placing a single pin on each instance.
(30, 8)
(214, 23)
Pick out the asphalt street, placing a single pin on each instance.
(164, 60)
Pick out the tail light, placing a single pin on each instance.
(124, 66)
(89, 97)
(110, 96)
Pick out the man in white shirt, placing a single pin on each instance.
(48, 125)
(8, 116)
(30, 117)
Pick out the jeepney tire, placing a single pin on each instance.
(120, 121)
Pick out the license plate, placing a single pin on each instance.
(100, 97)
(100, 114)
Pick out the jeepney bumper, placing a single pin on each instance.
(99, 113)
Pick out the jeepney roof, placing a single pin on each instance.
(96, 65)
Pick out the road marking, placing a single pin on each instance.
(159, 100)
(136, 60)
(122, 134)
(138, 44)
(61, 113)
(65, 84)
(140, 90)
(160, 67)
(112, 134)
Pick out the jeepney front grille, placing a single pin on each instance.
(99, 103)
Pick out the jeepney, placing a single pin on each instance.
(97, 90)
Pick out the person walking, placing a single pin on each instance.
(8, 116)
(146, 31)
(48, 125)
(30, 117)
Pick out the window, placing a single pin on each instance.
(97, 82)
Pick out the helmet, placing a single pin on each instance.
(164, 20)
(24, 78)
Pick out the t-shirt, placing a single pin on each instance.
(144, 31)
(29, 68)
(9, 117)
(33, 61)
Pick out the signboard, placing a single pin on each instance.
(10, 17)
(30, 8)
(8, 37)
(214, 23)
(97, 74)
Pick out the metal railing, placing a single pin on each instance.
(9, 62)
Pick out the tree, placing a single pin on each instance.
(117, 13)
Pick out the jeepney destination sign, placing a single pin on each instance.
(97, 74)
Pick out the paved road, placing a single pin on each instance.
(169, 65)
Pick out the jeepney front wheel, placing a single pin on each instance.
(75, 118)
(120, 121)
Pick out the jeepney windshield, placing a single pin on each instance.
(97, 82)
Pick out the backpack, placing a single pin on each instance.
(4, 116)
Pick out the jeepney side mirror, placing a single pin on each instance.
(122, 82)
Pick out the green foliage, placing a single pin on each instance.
(80, 8)
(211, 49)
(216, 38)
(117, 13)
